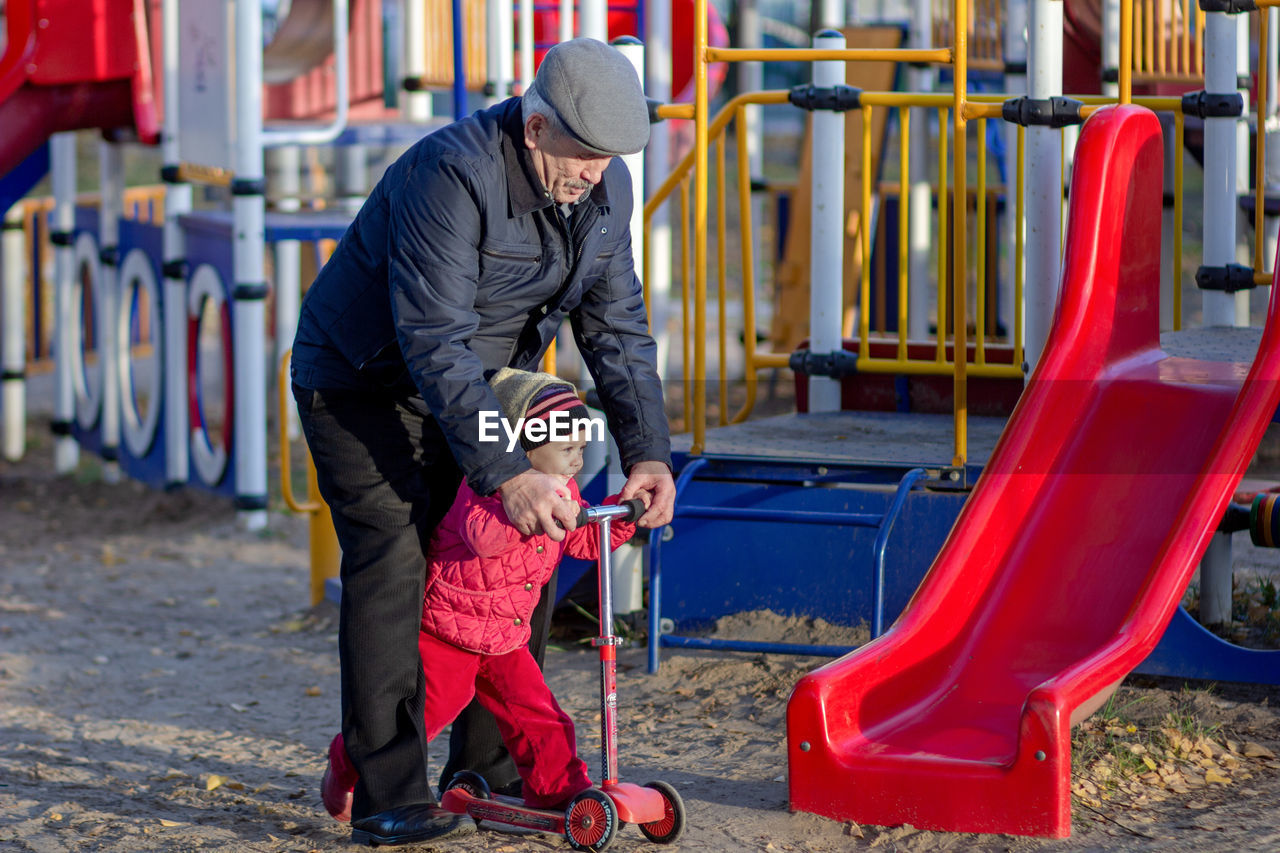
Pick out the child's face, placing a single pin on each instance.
(559, 458)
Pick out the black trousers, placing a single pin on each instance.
(387, 474)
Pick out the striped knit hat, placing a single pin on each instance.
(533, 396)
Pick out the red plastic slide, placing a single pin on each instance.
(68, 65)
(1071, 555)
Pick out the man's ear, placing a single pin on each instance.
(534, 126)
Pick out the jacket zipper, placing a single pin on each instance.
(536, 259)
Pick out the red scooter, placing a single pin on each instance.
(592, 819)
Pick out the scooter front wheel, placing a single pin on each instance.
(668, 828)
(590, 821)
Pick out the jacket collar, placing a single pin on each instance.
(525, 189)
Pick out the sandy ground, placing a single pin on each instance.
(163, 686)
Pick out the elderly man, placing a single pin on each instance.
(465, 258)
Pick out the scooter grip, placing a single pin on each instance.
(582, 517)
(637, 509)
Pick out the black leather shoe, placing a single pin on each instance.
(409, 825)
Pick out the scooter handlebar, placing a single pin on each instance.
(626, 511)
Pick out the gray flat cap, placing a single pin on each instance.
(595, 91)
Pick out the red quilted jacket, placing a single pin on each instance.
(484, 578)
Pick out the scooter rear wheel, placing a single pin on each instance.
(590, 821)
(471, 782)
(668, 828)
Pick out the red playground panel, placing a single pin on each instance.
(1071, 555)
(68, 65)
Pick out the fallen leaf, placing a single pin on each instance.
(314, 691)
(214, 781)
(210, 602)
(239, 709)
(1146, 759)
(1215, 776)
(1256, 750)
(164, 822)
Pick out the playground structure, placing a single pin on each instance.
(891, 483)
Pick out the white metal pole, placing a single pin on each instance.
(658, 58)
(1219, 166)
(110, 348)
(1110, 48)
(62, 167)
(920, 293)
(595, 19)
(826, 247)
(250, 289)
(499, 49)
(1244, 175)
(526, 45)
(1043, 183)
(566, 20)
(417, 106)
(13, 337)
(288, 257)
(832, 12)
(1219, 308)
(177, 203)
(633, 50)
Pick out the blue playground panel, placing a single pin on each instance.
(149, 467)
(28, 173)
(716, 567)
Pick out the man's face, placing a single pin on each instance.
(567, 170)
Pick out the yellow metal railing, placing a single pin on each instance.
(326, 556)
(1165, 41)
(951, 352)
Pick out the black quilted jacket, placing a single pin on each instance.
(458, 264)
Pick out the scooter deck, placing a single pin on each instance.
(635, 804)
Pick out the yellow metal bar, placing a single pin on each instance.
(686, 273)
(1148, 24)
(1126, 51)
(1259, 177)
(722, 410)
(980, 262)
(936, 368)
(1019, 243)
(194, 173)
(942, 234)
(688, 162)
(959, 229)
(904, 224)
(700, 108)
(941, 56)
(326, 556)
(772, 359)
(1179, 126)
(864, 238)
(746, 228)
(675, 111)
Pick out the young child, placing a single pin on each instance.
(483, 581)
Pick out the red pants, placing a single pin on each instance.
(538, 734)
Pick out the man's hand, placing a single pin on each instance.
(652, 480)
(535, 503)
